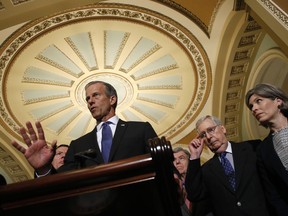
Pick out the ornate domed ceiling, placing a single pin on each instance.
(158, 69)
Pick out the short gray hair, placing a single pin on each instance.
(109, 89)
(214, 119)
(178, 149)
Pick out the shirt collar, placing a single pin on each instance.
(114, 120)
(229, 148)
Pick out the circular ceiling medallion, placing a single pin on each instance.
(124, 88)
(158, 68)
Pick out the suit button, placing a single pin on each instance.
(239, 204)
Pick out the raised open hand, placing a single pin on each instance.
(38, 153)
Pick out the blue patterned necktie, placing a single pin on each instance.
(106, 140)
(228, 169)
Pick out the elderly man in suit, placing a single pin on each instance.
(234, 188)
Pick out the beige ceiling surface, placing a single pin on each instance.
(154, 71)
(170, 62)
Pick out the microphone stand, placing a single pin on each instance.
(81, 157)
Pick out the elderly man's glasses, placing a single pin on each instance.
(210, 131)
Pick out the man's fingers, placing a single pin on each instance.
(31, 131)
(25, 136)
(18, 147)
(54, 144)
(40, 131)
(196, 143)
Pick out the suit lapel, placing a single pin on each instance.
(93, 144)
(217, 169)
(119, 132)
(240, 155)
(92, 137)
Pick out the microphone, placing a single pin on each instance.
(89, 154)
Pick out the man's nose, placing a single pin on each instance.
(90, 100)
(208, 136)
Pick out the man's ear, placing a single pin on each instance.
(113, 99)
(223, 129)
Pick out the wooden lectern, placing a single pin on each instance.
(142, 185)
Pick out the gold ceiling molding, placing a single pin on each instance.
(45, 65)
(212, 20)
(10, 164)
(272, 18)
(276, 11)
(240, 69)
(206, 29)
(180, 35)
(17, 2)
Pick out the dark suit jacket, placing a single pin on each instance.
(130, 139)
(274, 176)
(209, 181)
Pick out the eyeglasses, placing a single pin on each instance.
(210, 131)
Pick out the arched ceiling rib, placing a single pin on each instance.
(161, 72)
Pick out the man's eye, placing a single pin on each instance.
(209, 130)
(202, 135)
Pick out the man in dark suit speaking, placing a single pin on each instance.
(112, 139)
(129, 138)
